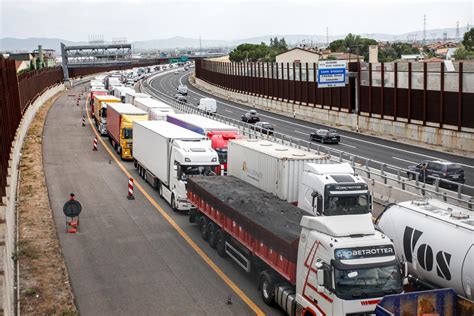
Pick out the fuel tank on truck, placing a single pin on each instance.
(437, 241)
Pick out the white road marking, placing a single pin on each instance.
(347, 145)
(404, 160)
(228, 111)
(297, 131)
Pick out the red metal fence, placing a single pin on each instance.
(418, 93)
(16, 93)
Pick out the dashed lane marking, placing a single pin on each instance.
(180, 231)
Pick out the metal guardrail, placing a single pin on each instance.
(372, 169)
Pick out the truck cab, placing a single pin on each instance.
(100, 111)
(189, 158)
(333, 189)
(344, 266)
(219, 142)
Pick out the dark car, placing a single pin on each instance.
(429, 170)
(251, 117)
(325, 136)
(263, 127)
(180, 98)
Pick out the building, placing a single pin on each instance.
(413, 57)
(298, 55)
(342, 56)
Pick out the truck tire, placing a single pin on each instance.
(203, 226)
(267, 287)
(173, 203)
(160, 189)
(211, 234)
(220, 243)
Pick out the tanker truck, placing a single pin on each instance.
(437, 241)
(307, 265)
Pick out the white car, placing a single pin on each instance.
(207, 105)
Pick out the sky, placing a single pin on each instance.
(137, 20)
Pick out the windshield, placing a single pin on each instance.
(370, 282)
(346, 204)
(222, 153)
(127, 133)
(103, 112)
(186, 171)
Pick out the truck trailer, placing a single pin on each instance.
(437, 241)
(100, 111)
(270, 166)
(166, 155)
(149, 104)
(308, 265)
(131, 95)
(120, 117)
(93, 92)
(219, 133)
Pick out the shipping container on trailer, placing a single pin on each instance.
(272, 167)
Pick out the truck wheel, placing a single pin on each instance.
(211, 234)
(173, 203)
(203, 225)
(267, 288)
(160, 189)
(220, 243)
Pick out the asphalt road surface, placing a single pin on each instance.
(377, 149)
(132, 257)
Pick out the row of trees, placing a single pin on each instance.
(259, 52)
(350, 44)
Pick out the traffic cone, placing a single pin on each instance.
(83, 121)
(95, 144)
(130, 189)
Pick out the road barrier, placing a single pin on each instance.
(390, 180)
(130, 195)
(94, 148)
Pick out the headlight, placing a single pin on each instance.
(214, 160)
(187, 159)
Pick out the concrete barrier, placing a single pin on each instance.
(448, 137)
(8, 205)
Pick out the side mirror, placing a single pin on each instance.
(404, 265)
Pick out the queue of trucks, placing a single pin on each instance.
(301, 224)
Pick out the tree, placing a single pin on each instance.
(463, 54)
(468, 40)
(353, 42)
(259, 52)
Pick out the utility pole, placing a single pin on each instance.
(457, 30)
(327, 37)
(200, 44)
(424, 29)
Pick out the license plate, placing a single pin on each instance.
(456, 176)
(334, 138)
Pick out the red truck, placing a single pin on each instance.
(95, 91)
(218, 132)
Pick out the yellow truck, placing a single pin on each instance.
(99, 109)
(120, 118)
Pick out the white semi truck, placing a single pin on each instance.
(437, 241)
(305, 179)
(131, 95)
(333, 189)
(166, 155)
(307, 265)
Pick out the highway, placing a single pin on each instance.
(132, 256)
(377, 149)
